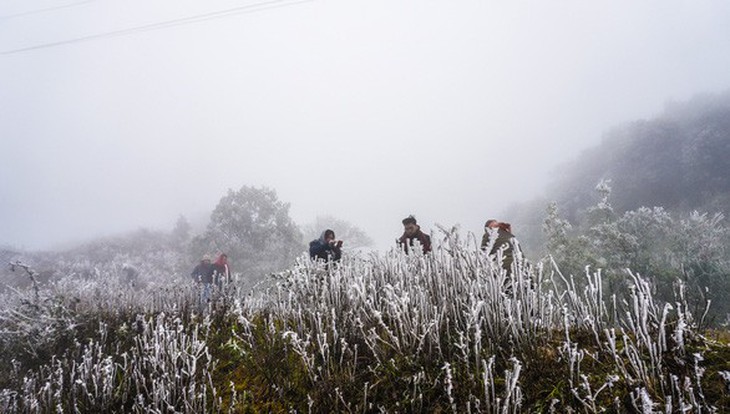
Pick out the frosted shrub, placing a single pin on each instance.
(660, 246)
(86, 345)
(457, 319)
(167, 368)
(379, 332)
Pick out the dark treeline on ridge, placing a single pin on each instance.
(678, 160)
(653, 197)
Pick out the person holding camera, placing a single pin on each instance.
(491, 229)
(326, 247)
(498, 236)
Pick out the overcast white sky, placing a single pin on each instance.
(366, 110)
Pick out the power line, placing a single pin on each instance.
(251, 8)
(36, 11)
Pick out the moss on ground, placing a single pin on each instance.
(270, 376)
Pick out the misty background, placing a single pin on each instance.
(364, 111)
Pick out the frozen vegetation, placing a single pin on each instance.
(385, 332)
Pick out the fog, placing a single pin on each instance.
(364, 110)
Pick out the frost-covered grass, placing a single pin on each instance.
(379, 333)
(98, 345)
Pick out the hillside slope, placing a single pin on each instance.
(679, 160)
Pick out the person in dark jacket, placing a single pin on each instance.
(411, 233)
(490, 227)
(221, 270)
(504, 240)
(326, 248)
(203, 275)
(131, 274)
(203, 272)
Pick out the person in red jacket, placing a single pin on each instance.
(221, 271)
(411, 233)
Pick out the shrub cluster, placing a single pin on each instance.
(386, 332)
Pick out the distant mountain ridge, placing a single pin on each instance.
(679, 160)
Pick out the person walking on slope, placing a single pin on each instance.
(326, 248)
(221, 271)
(411, 233)
(203, 275)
